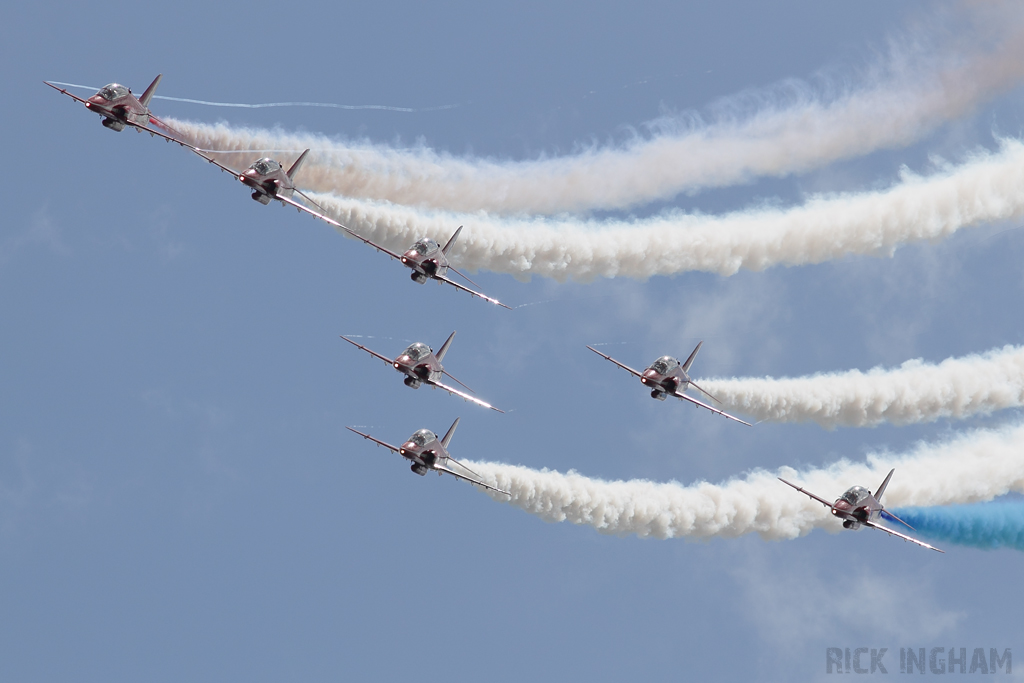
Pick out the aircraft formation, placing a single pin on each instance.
(268, 181)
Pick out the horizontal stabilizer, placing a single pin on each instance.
(888, 515)
(470, 479)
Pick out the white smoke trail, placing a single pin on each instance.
(899, 106)
(914, 392)
(977, 466)
(987, 188)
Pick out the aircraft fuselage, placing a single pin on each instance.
(118, 107)
(419, 364)
(268, 180)
(855, 507)
(426, 259)
(665, 376)
(423, 449)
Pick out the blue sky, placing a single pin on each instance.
(179, 499)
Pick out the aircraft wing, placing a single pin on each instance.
(468, 397)
(455, 284)
(372, 353)
(694, 385)
(165, 136)
(821, 500)
(456, 380)
(691, 399)
(376, 441)
(471, 480)
(903, 536)
(302, 207)
(167, 127)
(624, 367)
(210, 159)
(373, 244)
(60, 89)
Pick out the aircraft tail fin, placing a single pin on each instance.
(881, 489)
(451, 241)
(295, 166)
(444, 347)
(451, 432)
(150, 91)
(689, 361)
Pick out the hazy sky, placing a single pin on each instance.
(179, 498)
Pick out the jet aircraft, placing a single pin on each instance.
(119, 108)
(421, 365)
(268, 181)
(427, 452)
(859, 507)
(667, 377)
(428, 260)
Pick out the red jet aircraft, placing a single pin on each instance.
(428, 452)
(667, 376)
(119, 107)
(428, 260)
(421, 365)
(859, 507)
(268, 181)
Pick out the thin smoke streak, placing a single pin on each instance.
(536, 303)
(265, 105)
(328, 105)
(370, 336)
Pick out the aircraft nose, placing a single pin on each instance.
(841, 506)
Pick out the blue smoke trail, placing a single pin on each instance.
(982, 525)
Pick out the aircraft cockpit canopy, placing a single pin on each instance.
(266, 166)
(112, 92)
(417, 351)
(856, 494)
(425, 246)
(423, 437)
(664, 364)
